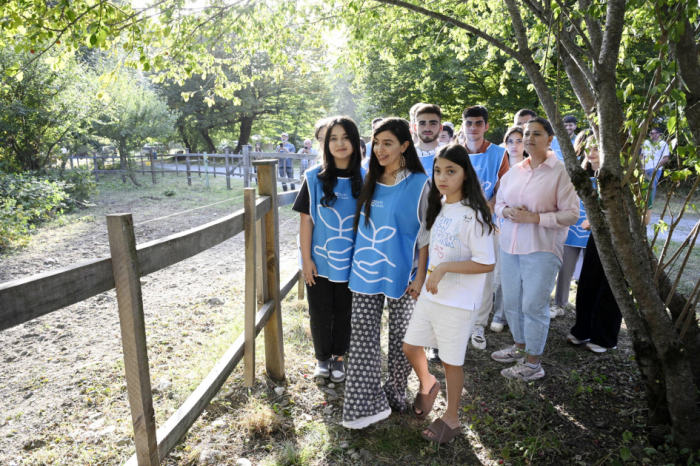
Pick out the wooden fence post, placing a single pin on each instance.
(199, 168)
(261, 265)
(97, 176)
(70, 158)
(187, 162)
(246, 165)
(143, 166)
(274, 339)
(206, 170)
(228, 173)
(300, 286)
(122, 168)
(153, 167)
(250, 298)
(126, 270)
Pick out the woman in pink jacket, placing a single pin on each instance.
(538, 203)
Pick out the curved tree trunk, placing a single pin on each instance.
(246, 128)
(124, 158)
(207, 139)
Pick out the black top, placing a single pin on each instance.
(301, 203)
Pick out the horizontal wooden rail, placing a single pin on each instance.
(28, 298)
(286, 198)
(287, 287)
(180, 422)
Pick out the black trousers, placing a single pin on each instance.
(330, 312)
(598, 317)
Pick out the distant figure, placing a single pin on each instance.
(365, 161)
(654, 155)
(446, 135)
(308, 150)
(285, 165)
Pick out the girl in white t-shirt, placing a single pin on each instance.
(461, 253)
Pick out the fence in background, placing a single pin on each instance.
(226, 164)
(28, 298)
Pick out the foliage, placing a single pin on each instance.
(43, 109)
(29, 198)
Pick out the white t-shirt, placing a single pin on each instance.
(458, 236)
(653, 152)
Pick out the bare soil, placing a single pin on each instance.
(64, 396)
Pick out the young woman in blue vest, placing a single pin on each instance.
(575, 245)
(461, 254)
(327, 202)
(598, 317)
(391, 248)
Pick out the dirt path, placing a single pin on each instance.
(54, 370)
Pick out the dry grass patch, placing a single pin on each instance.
(259, 419)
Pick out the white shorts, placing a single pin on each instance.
(443, 327)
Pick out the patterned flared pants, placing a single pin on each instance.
(364, 394)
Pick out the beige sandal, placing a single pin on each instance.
(443, 432)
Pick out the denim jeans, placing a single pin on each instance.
(288, 170)
(527, 281)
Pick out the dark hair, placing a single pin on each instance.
(515, 129)
(258, 143)
(329, 174)
(570, 119)
(581, 143)
(399, 128)
(319, 127)
(525, 112)
(376, 120)
(546, 124)
(363, 146)
(472, 194)
(450, 130)
(657, 129)
(475, 112)
(429, 108)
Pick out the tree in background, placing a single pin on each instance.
(43, 108)
(136, 114)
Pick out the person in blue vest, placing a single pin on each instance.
(389, 262)
(570, 123)
(428, 124)
(598, 317)
(327, 202)
(490, 163)
(575, 245)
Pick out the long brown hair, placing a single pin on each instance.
(399, 128)
(472, 194)
(329, 174)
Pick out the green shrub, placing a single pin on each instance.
(28, 198)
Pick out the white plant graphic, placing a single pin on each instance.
(338, 259)
(576, 229)
(368, 257)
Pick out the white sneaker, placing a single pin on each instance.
(556, 311)
(478, 339)
(496, 327)
(362, 422)
(597, 348)
(575, 341)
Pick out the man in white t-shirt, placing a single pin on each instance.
(655, 154)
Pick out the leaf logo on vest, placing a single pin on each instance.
(338, 249)
(367, 263)
(485, 186)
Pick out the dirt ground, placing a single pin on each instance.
(64, 395)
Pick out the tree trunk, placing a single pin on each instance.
(687, 58)
(207, 139)
(246, 128)
(124, 158)
(183, 136)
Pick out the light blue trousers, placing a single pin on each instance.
(527, 281)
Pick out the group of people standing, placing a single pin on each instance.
(441, 233)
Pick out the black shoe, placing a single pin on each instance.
(433, 356)
(322, 369)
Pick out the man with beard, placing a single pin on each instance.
(428, 124)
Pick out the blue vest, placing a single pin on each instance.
(578, 237)
(427, 161)
(333, 239)
(385, 250)
(556, 148)
(486, 166)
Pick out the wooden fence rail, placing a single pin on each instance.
(26, 299)
(234, 165)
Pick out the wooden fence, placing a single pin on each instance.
(234, 165)
(28, 298)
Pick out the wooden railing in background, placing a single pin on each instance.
(26, 299)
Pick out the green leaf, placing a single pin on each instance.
(625, 454)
